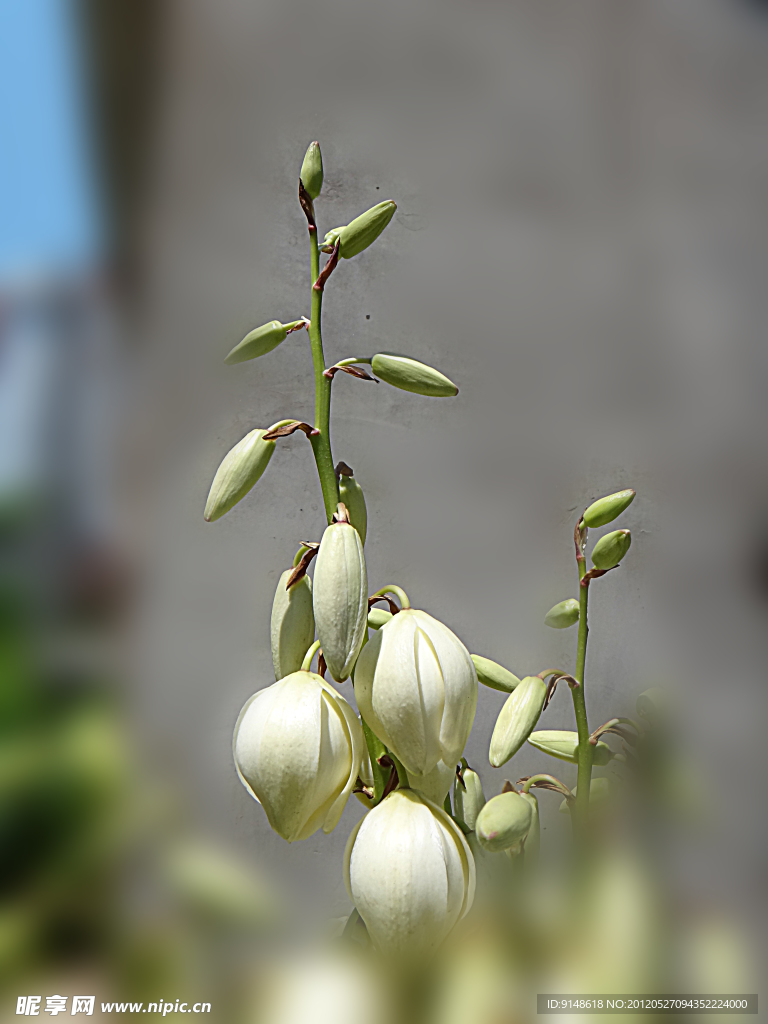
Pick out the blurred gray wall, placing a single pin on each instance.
(580, 245)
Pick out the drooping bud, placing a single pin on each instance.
(502, 821)
(261, 340)
(416, 687)
(351, 493)
(435, 785)
(411, 375)
(517, 719)
(410, 874)
(297, 747)
(340, 598)
(240, 469)
(292, 626)
(610, 549)
(563, 615)
(365, 229)
(565, 746)
(493, 675)
(533, 838)
(468, 799)
(599, 790)
(377, 617)
(605, 510)
(312, 170)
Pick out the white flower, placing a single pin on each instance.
(297, 749)
(416, 687)
(410, 874)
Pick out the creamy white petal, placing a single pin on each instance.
(400, 693)
(435, 785)
(460, 682)
(416, 686)
(356, 746)
(295, 752)
(408, 872)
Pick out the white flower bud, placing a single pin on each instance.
(410, 873)
(416, 687)
(297, 749)
(292, 626)
(340, 598)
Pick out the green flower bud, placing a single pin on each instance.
(312, 170)
(502, 821)
(411, 375)
(260, 341)
(292, 625)
(378, 617)
(351, 493)
(599, 790)
(533, 838)
(241, 468)
(563, 615)
(493, 675)
(605, 510)
(360, 232)
(611, 548)
(340, 598)
(517, 719)
(565, 746)
(469, 799)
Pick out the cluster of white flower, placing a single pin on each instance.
(300, 750)
(300, 747)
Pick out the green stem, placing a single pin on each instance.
(581, 807)
(529, 783)
(402, 774)
(399, 593)
(376, 749)
(299, 554)
(352, 360)
(280, 423)
(321, 442)
(309, 656)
